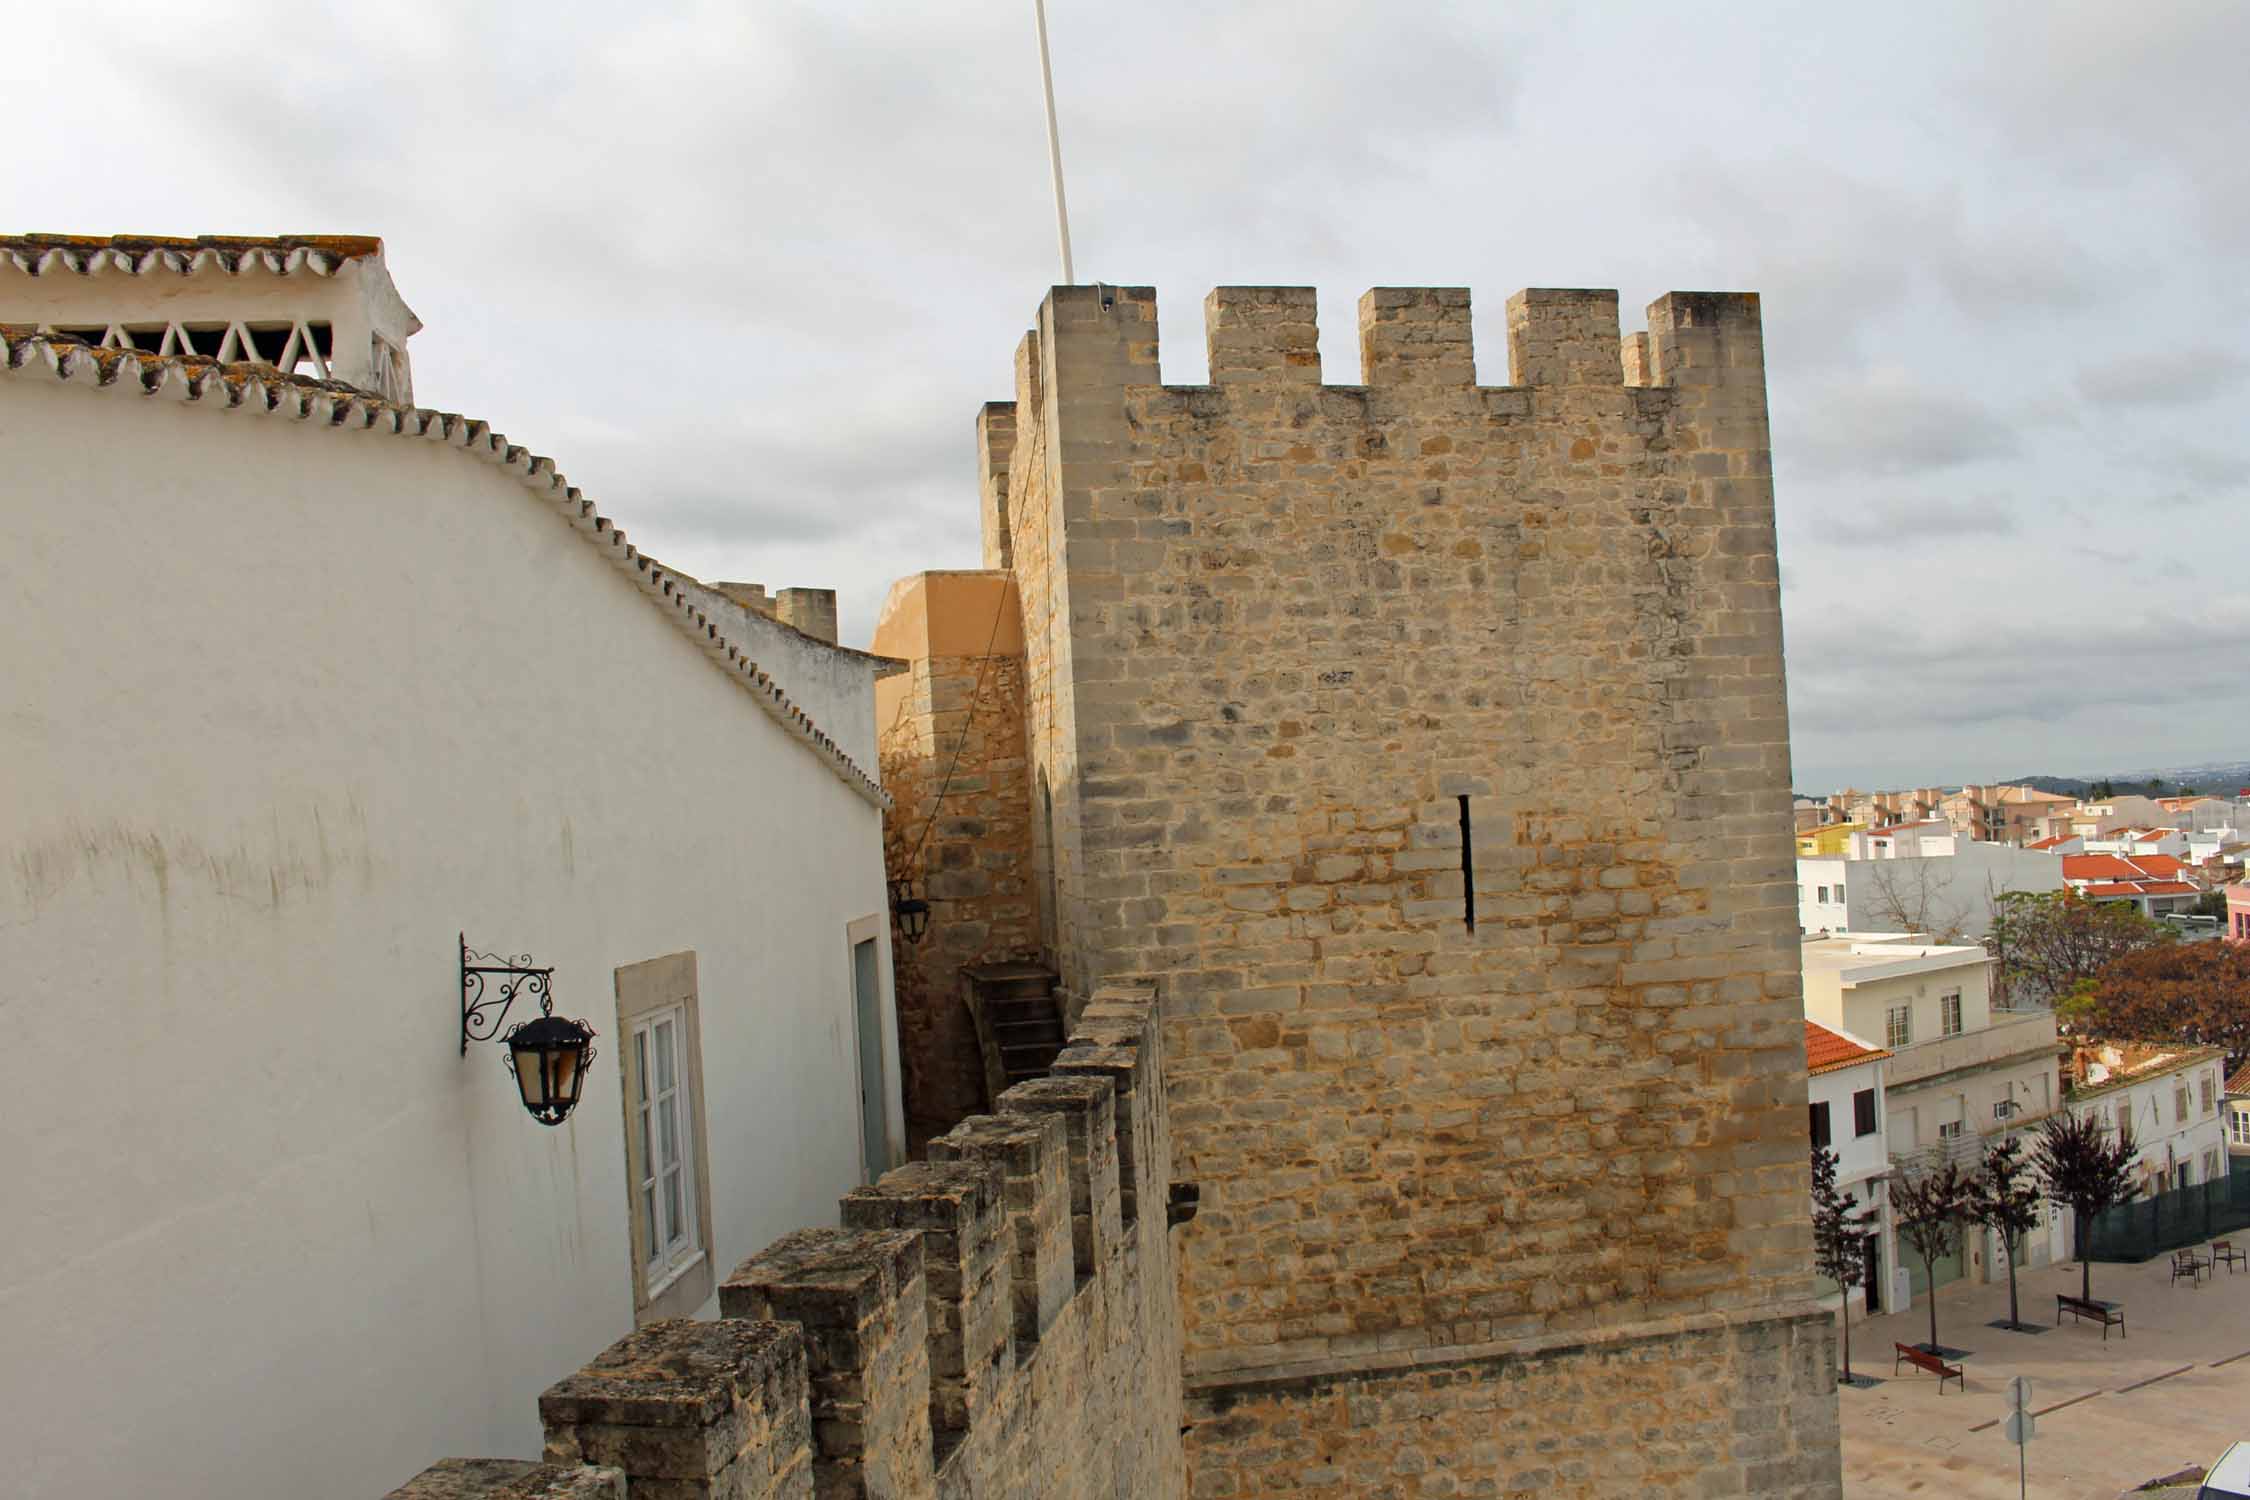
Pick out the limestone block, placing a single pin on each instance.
(690, 1411)
(510, 1479)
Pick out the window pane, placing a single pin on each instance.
(667, 1114)
(655, 1238)
(672, 1208)
(640, 1064)
(666, 1063)
(648, 1147)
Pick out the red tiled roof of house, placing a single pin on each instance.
(2120, 867)
(2060, 838)
(2239, 1083)
(2140, 888)
(1826, 1051)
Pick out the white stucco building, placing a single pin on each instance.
(1929, 879)
(2172, 1097)
(1960, 1074)
(1844, 1087)
(305, 684)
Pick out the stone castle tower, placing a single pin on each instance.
(1425, 744)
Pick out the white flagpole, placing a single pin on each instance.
(1054, 143)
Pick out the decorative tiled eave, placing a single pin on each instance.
(264, 389)
(82, 255)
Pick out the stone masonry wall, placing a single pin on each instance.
(1713, 1411)
(1427, 741)
(997, 1321)
(954, 723)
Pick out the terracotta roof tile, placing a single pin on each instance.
(1826, 1051)
(334, 405)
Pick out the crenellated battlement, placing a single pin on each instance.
(1410, 337)
(990, 1322)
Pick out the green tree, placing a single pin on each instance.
(2197, 993)
(1840, 1235)
(2088, 1167)
(1928, 1208)
(2101, 791)
(2049, 943)
(2006, 1199)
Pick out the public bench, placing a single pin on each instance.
(2108, 1314)
(1930, 1362)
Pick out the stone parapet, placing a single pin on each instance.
(945, 1342)
(510, 1479)
(690, 1411)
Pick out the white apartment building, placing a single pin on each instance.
(1928, 880)
(2238, 1112)
(2173, 1098)
(1844, 1087)
(1960, 1074)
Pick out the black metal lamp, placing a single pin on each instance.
(909, 911)
(549, 1055)
(549, 1058)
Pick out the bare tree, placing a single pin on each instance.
(1908, 895)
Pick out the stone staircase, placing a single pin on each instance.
(1018, 1020)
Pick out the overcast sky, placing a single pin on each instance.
(747, 269)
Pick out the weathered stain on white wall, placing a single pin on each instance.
(287, 710)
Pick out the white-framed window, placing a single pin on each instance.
(2180, 1105)
(2210, 1094)
(2211, 1165)
(667, 1166)
(2239, 1121)
(664, 1190)
(1949, 1131)
(1949, 1014)
(2124, 1117)
(1898, 1026)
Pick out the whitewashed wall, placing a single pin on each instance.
(287, 709)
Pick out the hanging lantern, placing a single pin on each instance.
(549, 1058)
(909, 911)
(548, 1055)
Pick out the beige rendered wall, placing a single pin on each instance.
(952, 747)
(1276, 632)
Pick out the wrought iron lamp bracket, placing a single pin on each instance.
(483, 1015)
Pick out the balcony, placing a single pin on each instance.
(2012, 1037)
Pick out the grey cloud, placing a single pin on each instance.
(1887, 425)
(1912, 521)
(1963, 669)
(746, 271)
(2163, 378)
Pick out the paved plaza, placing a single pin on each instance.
(2174, 1391)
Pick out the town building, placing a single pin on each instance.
(1927, 879)
(315, 690)
(2238, 912)
(2238, 1112)
(2000, 814)
(1827, 839)
(2173, 1099)
(2167, 841)
(1961, 1073)
(1845, 1095)
(2153, 884)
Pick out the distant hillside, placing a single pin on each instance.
(2215, 778)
